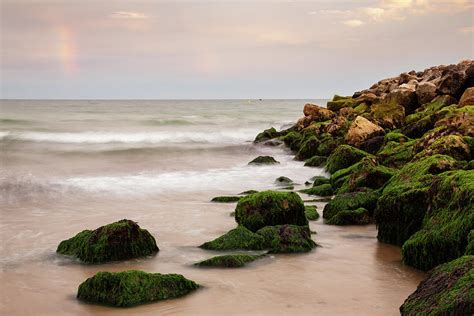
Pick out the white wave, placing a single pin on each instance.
(213, 137)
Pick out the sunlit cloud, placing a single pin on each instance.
(375, 13)
(353, 23)
(67, 49)
(128, 15)
(466, 30)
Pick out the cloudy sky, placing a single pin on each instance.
(223, 49)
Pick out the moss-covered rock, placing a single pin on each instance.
(269, 208)
(359, 216)
(308, 148)
(311, 212)
(229, 261)
(117, 241)
(395, 137)
(402, 206)
(315, 161)
(366, 199)
(343, 157)
(320, 190)
(284, 181)
(360, 130)
(248, 192)
(263, 160)
(447, 223)
(237, 238)
(395, 154)
(266, 135)
(287, 238)
(470, 243)
(451, 145)
(339, 102)
(319, 180)
(226, 199)
(388, 114)
(447, 290)
(293, 140)
(129, 288)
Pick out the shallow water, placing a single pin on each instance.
(73, 165)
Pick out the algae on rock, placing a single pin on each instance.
(229, 261)
(287, 238)
(237, 238)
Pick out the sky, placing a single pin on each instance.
(92, 49)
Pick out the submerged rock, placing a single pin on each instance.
(266, 135)
(447, 290)
(270, 208)
(359, 216)
(320, 190)
(248, 192)
(283, 181)
(237, 238)
(319, 180)
(311, 212)
(117, 241)
(229, 261)
(263, 160)
(315, 161)
(287, 238)
(226, 199)
(129, 288)
(343, 157)
(351, 201)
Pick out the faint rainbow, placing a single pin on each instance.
(67, 49)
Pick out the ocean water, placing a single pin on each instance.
(73, 165)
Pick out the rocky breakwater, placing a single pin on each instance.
(400, 154)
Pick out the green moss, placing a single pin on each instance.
(229, 261)
(315, 161)
(470, 243)
(117, 241)
(362, 108)
(320, 190)
(340, 102)
(343, 157)
(263, 160)
(402, 206)
(287, 238)
(351, 201)
(248, 192)
(293, 140)
(237, 238)
(266, 135)
(359, 216)
(395, 137)
(329, 143)
(451, 145)
(448, 221)
(388, 114)
(365, 174)
(308, 149)
(395, 154)
(319, 180)
(311, 212)
(226, 199)
(270, 208)
(129, 288)
(447, 290)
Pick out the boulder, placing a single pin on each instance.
(129, 288)
(425, 92)
(404, 95)
(368, 98)
(269, 208)
(359, 216)
(311, 212)
(263, 160)
(339, 102)
(317, 113)
(366, 199)
(229, 261)
(117, 241)
(447, 290)
(316, 161)
(319, 180)
(287, 238)
(237, 238)
(308, 148)
(467, 97)
(452, 81)
(451, 145)
(362, 129)
(388, 114)
(337, 126)
(284, 181)
(320, 190)
(266, 135)
(343, 157)
(293, 140)
(226, 199)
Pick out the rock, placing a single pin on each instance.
(117, 241)
(293, 140)
(467, 97)
(388, 114)
(470, 75)
(319, 180)
(470, 243)
(311, 212)
(315, 161)
(343, 157)
(287, 238)
(266, 135)
(359, 216)
(362, 129)
(248, 192)
(403, 203)
(447, 223)
(407, 77)
(309, 148)
(129, 288)
(348, 113)
(339, 102)
(451, 145)
(425, 92)
(283, 181)
(269, 208)
(337, 126)
(226, 199)
(395, 154)
(452, 82)
(367, 98)
(229, 261)
(263, 160)
(373, 145)
(404, 95)
(317, 113)
(447, 290)
(272, 143)
(237, 238)
(366, 199)
(320, 190)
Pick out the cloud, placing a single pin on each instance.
(353, 23)
(128, 15)
(466, 30)
(374, 13)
